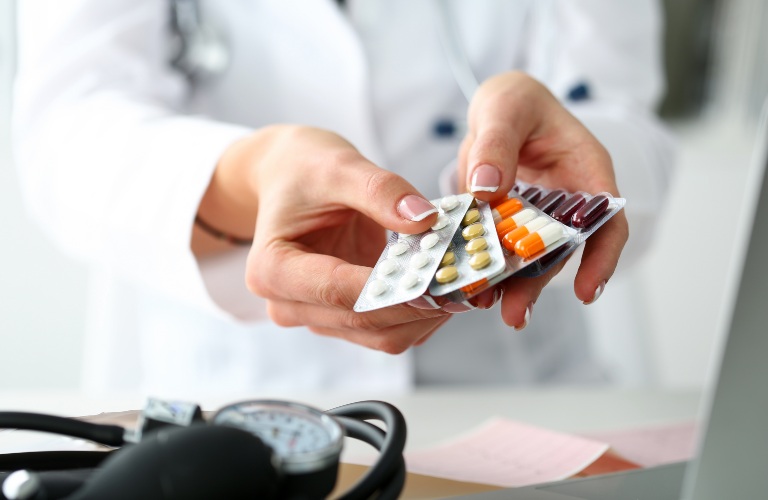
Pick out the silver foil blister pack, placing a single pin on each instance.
(408, 262)
(475, 253)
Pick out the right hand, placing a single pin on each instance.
(320, 210)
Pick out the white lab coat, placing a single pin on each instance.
(115, 149)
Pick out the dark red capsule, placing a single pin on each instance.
(532, 194)
(516, 188)
(564, 212)
(553, 200)
(591, 211)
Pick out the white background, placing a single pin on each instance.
(680, 291)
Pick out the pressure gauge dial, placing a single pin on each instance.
(304, 439)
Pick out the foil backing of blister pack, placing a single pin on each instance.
(406, 267)
(459, 247)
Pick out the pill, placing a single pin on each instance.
(441, 222)
(404, 236)
(591, 211)
(532, 194)
(509, 207)
(449, 203)
(447, 274)
(419, 260)
(553, 200)
(521, 232)
(409, 280)
(539, 240)
(480, 260)
(496, 203)
(471, 217)
(429, 241)
(476, 245)
(387, 267)
(448, 259)
(564, 212)
(473, 203)
(397, 249)
(376, 288)
(473, 231)
(511, 223)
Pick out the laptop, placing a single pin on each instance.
(732, 457)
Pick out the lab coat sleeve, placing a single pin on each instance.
(603, 58)
(109, 167)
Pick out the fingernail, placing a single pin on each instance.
(485, 178)
(598, 293)
(415, 208)
(527, 318)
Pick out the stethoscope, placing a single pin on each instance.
(249, 449)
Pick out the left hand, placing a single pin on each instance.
(517, 128)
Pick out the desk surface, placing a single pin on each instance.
(434, 415)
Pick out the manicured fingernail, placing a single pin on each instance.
(485, 178)
(598, 293)
(415, 208)
(527, 318)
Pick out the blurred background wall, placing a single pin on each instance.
(716, 54)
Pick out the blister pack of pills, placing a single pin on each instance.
(475, 253)
(408, 263)
(538, 228)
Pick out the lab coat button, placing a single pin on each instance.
(579, 92)
(444, 128)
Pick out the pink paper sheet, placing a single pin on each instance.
(506, 453)
(651, 446)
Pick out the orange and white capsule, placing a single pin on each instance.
(511, 223)
(504, 210)
(521, 232)
(539, 240)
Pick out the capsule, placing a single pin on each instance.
(515, 221)
(591, 211)
(474, 286)
(447, 274)
(532, 194)
(553, 200)
(480, 260)
(473, 231)
(471, 217)
(521, 232)
(516, 188)
(509, 207)
(476, 245)
(539, 240)
(564, 212)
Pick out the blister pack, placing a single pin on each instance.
(539, 227)
(475, 253)
(408, 262)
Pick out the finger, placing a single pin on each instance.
(393, 340)
(501, 120)
(383, 196)
(429, 334)
(291, 314)
(520, 295)
(461, 174)
(600, 258)
(285, 271)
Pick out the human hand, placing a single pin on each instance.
(320, 212)
(518, 129)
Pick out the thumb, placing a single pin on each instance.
(385, 197)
